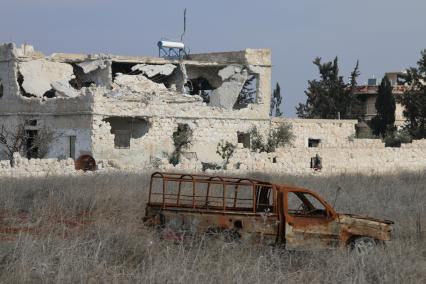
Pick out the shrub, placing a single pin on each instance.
(396, 138)
(279, 137)
(182, 138)
(225, 150)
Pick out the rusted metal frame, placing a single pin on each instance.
(281, 218)
(217, 182)
(208, 188)
(180, 186)
(172, 176)
(304, 220)
(275, 199)
(258, 188)
(254, 198)
(237, 188)
(230, 181)
(320, 199)
(224, 196)
(164, 191)
(217, 211)
(154, 175)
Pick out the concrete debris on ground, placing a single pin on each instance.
(138, 84)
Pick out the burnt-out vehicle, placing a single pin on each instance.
(258, 212)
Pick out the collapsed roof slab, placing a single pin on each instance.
(92, 65)
(39, 75)
(152, 70)
(227, 94)
(138, 84)
(260, 57)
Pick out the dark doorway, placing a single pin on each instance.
(32, 149)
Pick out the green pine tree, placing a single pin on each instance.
(414, 99)
(330, 95)
(383, 122)
(276, 101)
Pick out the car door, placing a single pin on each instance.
(308, 222)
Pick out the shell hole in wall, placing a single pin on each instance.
(200, 86)
(126, 128)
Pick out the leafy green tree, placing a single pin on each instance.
(330, 95)
(383, 122)
(276, 101)
(414, 99)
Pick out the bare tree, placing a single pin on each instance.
(33, 143)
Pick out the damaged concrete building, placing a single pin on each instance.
(126, 108)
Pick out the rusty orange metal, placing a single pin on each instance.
(85, 163)
(254, 210)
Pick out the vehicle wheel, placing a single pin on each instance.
(363, 245)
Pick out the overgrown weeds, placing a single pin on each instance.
(116, 247)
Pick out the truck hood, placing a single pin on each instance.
(358, 225)
(354, 217)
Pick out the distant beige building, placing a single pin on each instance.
(368, 93)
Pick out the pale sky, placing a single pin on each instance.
(384, 35)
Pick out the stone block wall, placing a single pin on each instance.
(37, 167)
(331, 133)
(334, 161)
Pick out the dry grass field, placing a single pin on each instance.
(90, 230)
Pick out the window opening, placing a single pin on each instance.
(72, 140)
(31, 122)
(301, 204)
(312, 143)
(244, 138)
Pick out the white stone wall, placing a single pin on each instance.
(332, 133)
(208, 133)
(334, 161)
(37, 167)
(62, 127)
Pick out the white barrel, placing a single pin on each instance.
(171, 44)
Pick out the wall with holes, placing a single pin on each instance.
(157, 143)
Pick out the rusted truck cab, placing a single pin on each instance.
(256, 211)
